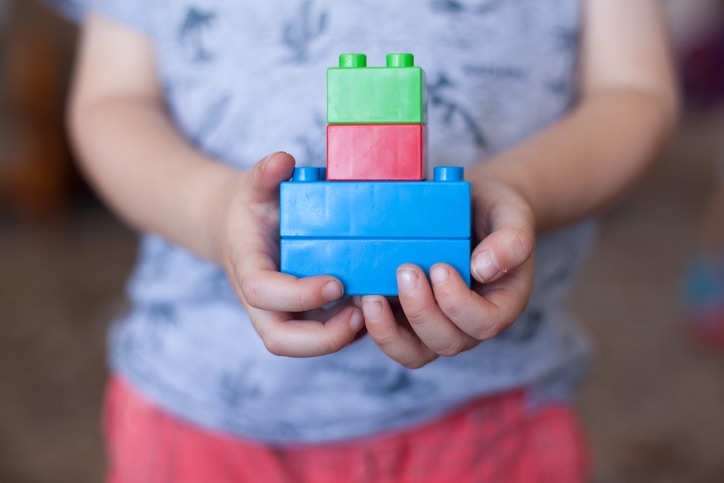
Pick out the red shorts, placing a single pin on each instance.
(491, 440)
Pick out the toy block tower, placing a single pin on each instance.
(370, 211)
(376, 120)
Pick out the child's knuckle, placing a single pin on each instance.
(452, 348)
(491, 327)
(274, 344)
(250, 291)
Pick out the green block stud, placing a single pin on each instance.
(394, 94)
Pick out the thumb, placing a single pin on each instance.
(265, 176)
(510, 241)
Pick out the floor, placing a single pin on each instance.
(59, 287)
(653, 404)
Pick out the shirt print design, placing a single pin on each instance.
(192, 31)
(567, 41)
(302, 30)
(451, 112)
(462, 6)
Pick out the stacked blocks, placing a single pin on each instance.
(370, 211)
(376, 120)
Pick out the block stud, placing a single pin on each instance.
(307, 174)
(400, 60)
(352, 60)
(448, 173)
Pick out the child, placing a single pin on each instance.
(226, 369)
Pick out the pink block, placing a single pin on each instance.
(358, 152)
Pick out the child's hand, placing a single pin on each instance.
(444, 317)
(247, 235)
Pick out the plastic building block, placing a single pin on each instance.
(376, 152)
(309, 174)
(394, 94)
(368, 266)
(312, 207)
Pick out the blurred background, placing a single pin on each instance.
(653, 405)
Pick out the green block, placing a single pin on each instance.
(394, 94)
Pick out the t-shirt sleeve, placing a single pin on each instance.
(133, 13)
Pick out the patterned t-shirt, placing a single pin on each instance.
(243, 79)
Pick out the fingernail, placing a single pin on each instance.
(372, 309)
(439, 275)
(406, 279)
(484, 266)
(356, 321)
(333, 290)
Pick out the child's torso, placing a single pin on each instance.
(244, 79)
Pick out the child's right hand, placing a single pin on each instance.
(247, 234)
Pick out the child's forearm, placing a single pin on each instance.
(627, 108)
(130, 149)
(586, 162)
(148, 173)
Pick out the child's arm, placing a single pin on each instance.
(145, 169)
(576, 168)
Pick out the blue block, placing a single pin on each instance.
(313, 207)
(368, 266)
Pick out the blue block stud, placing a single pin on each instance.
(448, 173)
(308, 174)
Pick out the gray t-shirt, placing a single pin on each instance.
(243, 79)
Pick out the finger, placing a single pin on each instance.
(284, 336)
(265, 176)
(503, 250)
(253, 271)
(397, 342)
(508, 234)
(268, 289)
(428, 321)
(252, 220)
(482, 315)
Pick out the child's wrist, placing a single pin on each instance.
(217, 210)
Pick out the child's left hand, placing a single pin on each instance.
(442, 316)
